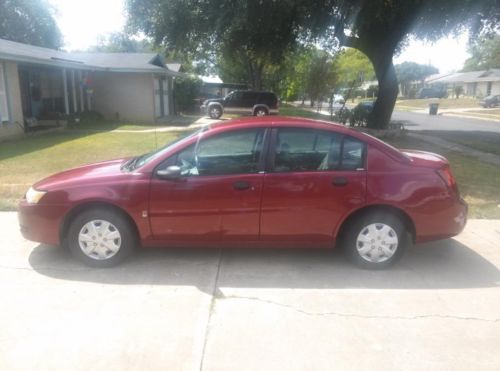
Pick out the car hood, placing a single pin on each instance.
(215, 100)
(86, 174)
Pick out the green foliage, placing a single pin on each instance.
(30, 22)
(408, 72)
(186, 91)
(485, 54)
(354, 68)
(120, 42)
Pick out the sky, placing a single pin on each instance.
(82, 22)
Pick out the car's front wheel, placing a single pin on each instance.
(101, 237)
(214, 112)
(376, 240)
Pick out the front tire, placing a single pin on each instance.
(101, 237)
(376, 240)
(214, 112)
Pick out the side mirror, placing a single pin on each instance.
(171, 172)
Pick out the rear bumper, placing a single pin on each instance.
(40, 223)
(446, 223)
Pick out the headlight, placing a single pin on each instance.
(33, 196)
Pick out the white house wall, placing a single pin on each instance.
(14, 127)
(123, 96)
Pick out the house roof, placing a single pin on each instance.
(117, 62)
(473, 76)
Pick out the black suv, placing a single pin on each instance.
(257, 103)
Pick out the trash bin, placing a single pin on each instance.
(433, 108)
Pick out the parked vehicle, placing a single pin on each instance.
(266, 182)
(490, 101)
(365, 106)
(337, 98)
(256, 103)
(431, 93)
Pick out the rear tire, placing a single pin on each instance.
(101, 237)
(376, 240)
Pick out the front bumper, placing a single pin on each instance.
(41, 223)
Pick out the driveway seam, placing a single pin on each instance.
(210, 311)
(361, 316)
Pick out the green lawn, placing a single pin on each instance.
(444, 103)
(25, 161)
(482, 141)
(478, 182)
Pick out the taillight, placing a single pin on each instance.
(448, 178)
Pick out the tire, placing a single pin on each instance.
(260, 111)
(376, 240)
(105, 252)
(214, 112)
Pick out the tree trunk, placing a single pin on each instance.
(387, 88)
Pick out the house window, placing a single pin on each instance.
(4, 111)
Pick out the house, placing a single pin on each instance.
(474, 83)
(213, 87)
(39, 84)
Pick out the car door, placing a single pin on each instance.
(233, 102)
(217, 196)
(314, 178)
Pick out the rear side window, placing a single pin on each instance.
(352, 154)
(298, 149)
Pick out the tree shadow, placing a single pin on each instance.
(446, 264)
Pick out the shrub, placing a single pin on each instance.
(186, 90)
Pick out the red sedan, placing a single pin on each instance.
(254, 182)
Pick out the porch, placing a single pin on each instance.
(49, 95)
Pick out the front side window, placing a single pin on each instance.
(298, 149)
(236, 152)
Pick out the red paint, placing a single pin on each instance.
(278, 209)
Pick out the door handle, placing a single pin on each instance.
(340, 181)
(241, 185)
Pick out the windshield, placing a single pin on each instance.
(142, 160)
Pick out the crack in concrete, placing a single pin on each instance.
(213, 299)
(352, 315)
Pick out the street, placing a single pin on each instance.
(422, 121)
(185, 309)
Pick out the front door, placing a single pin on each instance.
(217, 197)
(316, 177)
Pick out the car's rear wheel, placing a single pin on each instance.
(376, 240)
(101, 237)
(214, 112)
(261, 111)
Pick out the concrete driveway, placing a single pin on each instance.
(251, 309)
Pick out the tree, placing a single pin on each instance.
(485, 54)
(261, 32)
(354, 68)
(408, 72)
(120, 42)
(30, 22)
(253, 34)
(379, 28)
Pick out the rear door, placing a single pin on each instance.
(314, 178)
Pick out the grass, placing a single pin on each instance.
(288, 110)
(482, 141)
(25, 161)
(444, 103)
(479, 182)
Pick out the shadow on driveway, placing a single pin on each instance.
(446, 264)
